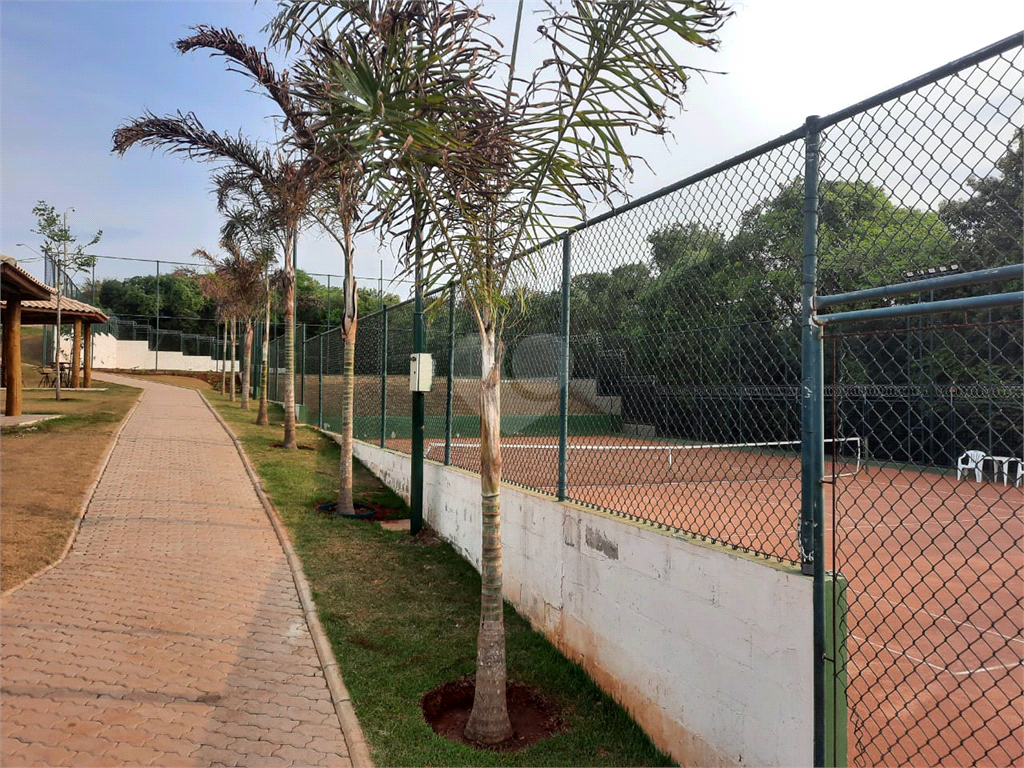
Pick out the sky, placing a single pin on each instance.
(72, 71)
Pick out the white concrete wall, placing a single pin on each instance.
(108, 352)
(709, 650)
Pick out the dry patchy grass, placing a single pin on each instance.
(45, 472)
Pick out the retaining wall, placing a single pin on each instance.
(708, 649)
(109, 352)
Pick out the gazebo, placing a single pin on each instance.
(26, 301)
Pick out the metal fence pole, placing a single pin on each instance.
(156, 359)
(257, 347)
(384, 378)
(563, 376)
(419, 402)
(451, 380)
(302, 364)
(320, 386)
(812, 546)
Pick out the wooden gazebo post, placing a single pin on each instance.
(12, 356)
(87, 355)
(76, 356)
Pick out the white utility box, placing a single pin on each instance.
(421, 372)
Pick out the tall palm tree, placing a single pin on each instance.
(492, 164)
(340, 205)
(288, 174)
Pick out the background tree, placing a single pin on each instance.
(183, 307)
(481, 164)
(989, 225)
(67, 255)
(322, 307)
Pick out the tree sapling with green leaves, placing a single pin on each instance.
(67, 255)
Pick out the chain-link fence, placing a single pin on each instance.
(210, 344)
(924, 187)
(665, 363)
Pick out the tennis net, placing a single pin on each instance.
(535, 464)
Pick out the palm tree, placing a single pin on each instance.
(250, 218)
(237, 282)
(492, 164)
(340, 204)
(289, 175)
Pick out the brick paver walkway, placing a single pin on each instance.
(172, 634)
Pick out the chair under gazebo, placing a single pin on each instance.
(26, 301)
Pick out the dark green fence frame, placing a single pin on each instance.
(792, 400)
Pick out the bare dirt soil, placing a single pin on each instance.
(447, 708)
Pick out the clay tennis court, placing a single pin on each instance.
(934, 566)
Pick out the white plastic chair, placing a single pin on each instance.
(970, 460)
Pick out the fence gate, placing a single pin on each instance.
(928, 534)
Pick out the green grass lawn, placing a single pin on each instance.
(402, 616)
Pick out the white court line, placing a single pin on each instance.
(792, 482)
(974, 497)
(891, 604)
(963, 673)
(914, 523)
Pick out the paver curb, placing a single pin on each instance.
(85, 502)
(359, 751)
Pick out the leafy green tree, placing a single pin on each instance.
(322, 307)
(472, 165)
(721, 300)
(67, 255)
(989, 225)
(182, 305)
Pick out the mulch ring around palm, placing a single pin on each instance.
(362, 511)
(534, 717)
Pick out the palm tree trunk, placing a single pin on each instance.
(289, 442)
(262, 415)
(349, 320)
(488, 722)
(231, 380)
(345, 505)
(246, 362)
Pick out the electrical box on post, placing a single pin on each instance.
(421, 372)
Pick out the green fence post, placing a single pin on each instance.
(302, 367)
(419, 402)
(320, 385)
(255, 384)
(563, 377)
(384, 379)
(451, 380)
(812, 506)
(836, 677)
(156, 357)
